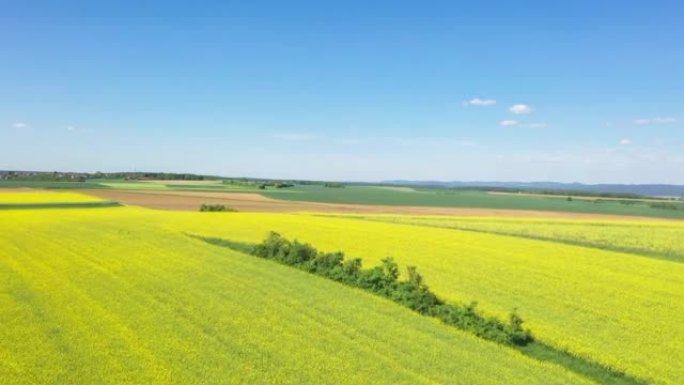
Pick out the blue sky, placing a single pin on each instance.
(357, 90)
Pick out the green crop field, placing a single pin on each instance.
(378, 195)
(146, 185)
(109, 297)
(386, 195)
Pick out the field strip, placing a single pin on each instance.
(119, 298)
(578, 197)
(679, 258)
(59, 205)
(253, 202)
(424, 302)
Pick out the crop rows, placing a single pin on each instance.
(663, 239)
(118, 296)
(623, 312)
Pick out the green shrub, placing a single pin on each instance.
(216, 208)
(384, 280)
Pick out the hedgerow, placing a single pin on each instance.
(384, 280)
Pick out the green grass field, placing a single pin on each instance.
(388, 195)
(116, 296)
(376, 195)
(160, 185)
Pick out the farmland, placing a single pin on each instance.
(434, 197)
(658, 239)
(40, 196)
(105, 296)
(362, 198)
(610, 292)
(26, 199)
(609, 306)
(341, 193)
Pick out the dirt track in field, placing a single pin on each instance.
(251, 202)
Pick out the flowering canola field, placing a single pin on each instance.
(39, 196)
(622, 310)
(123, 296)
(663, 239)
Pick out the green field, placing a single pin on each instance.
(377, 195)
(389, 196)
(157, 185)
(114, 296)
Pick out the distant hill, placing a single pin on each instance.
(659, 190)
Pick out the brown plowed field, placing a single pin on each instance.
(192, 200)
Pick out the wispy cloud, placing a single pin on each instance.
(509, 123)
(19, 125)
(520, 109)
(515, 123)
(656, 120)
(480, 102)
(625, 142)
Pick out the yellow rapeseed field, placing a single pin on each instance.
(38, 196)
(622, 310)
(664, 239)
(124, 296)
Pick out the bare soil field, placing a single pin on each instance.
(251, 202)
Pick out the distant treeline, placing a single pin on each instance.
(384, 280)
(43, 176)
(35, 176)
(257, 183)
(667, 206)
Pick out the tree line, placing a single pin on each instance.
(383, 280)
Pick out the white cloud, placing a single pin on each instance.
(71, 128)
(509, 123)
(515, 123)
(625, 142)
(19, 125)
(479, 102)
(656, 120)
(520, 109)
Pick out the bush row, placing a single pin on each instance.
(384, 280)
(207, 207)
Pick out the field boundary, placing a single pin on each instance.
(528, 345)
(257, 202)
(626, 250)
(59, 205)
